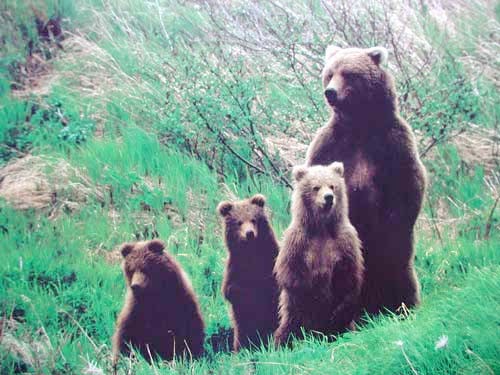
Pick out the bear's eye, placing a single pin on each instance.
(316, 188)
(254, 221)
(348, 75)
(329, 76)
(331, 187)
(240, 223)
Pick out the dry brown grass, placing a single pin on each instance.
(475, 146)
(35, 77)
(459, 18)
(35, 182)
(31, 350)
(479, 146)
(290, 150)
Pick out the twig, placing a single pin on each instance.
(81, 329)
(490, 370)
(408, 361)
(433, 217)
(152, 361)
(247, 112)
(164, 30)
(490, 219)
(223, 140)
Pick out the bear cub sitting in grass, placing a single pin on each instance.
(161, 316)
(320, 266)
(249, 284)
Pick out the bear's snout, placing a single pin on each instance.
(248, 231)
(331, 95)
(325, 198)
(328, 197)
(136, 288)
(138, 282)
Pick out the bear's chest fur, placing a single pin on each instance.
(320, 258)
(360, 172)
(361, 177)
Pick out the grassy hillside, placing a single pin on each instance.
(138, 118)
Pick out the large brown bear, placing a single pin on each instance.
(384, 175)
(161, 314)
(249, 283)
(320, 266)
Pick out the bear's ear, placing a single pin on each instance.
(259, 200)
(338, 167)
(330, 51)
(126, 249)
(224, 207)
(156, 246)
(298, 172)
(378, 54)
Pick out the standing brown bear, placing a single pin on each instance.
(161, 315)
(249, 284)
(384, 175)
(320, 266)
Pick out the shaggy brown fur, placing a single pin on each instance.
(384, 175)
(320, 267)
(249, 284)
(161, 315)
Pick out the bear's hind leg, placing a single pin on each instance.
(290, 321)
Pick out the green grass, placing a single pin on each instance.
(165, 116)
(53, 277)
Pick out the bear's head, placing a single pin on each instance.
(144, 266)
(320, 191)
(354, 80)
(246, 220)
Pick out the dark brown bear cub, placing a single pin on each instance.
(384, 176)
(161, 316)
(320, 266)
(249, 284)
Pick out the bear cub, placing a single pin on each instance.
(161, 316)
(249, 284)
(320, 266)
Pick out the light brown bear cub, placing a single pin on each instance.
(249, 284)
(384, 175)
(320, 267)
(161, 315)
